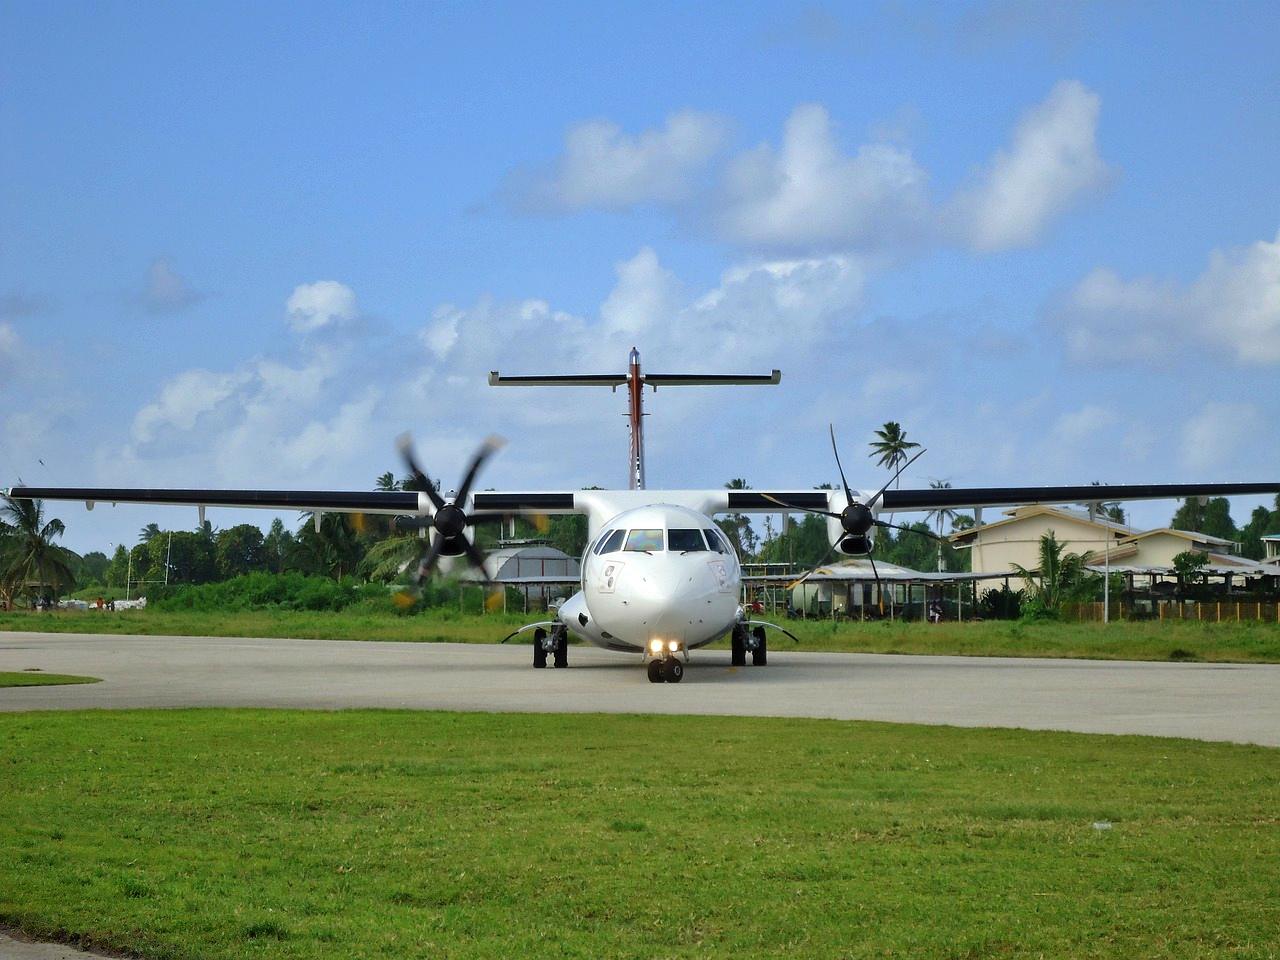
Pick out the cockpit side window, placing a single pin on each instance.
(716, 541)
(686, 540)
(611, 541)
(649, 541)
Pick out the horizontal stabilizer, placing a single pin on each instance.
(711, 379)
(570, 380)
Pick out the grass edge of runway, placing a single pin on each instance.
(225, 833)
(35, 678)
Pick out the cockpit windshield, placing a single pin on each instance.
(686, 540)
(611, 541)
(644, 541)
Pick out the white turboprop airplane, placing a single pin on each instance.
(658, 577)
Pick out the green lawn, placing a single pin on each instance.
(229, 834)
(35, 679)
(1239, 642)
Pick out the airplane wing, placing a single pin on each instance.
(905, 501)
(326, 501)
(392, 502)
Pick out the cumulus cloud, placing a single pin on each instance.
(9, 344)
(1219, 431)
(167, 291)
(603, 166)
(325, 303)
(807, 194)
(1233, 307)
(1052, 164)
(182, 401)
(1078, 426)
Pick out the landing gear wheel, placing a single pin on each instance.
(539, 651)
(760, 652)
(738, 647)
(655, 671)
(673, 671)
(562, 648)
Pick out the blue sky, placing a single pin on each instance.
(248, 245)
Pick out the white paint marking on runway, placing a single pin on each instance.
(1236, 702)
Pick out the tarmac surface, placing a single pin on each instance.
(1235, 702)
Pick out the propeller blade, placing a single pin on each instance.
(789, 506)
(923, 533)
(897, 473)
(848, 494)
(491, 446)
(428, 561)
(405, 443)
(476, 558)
(796, 583)
(879, 589)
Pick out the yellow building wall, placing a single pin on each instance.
(1019, 542)
(1159, 549)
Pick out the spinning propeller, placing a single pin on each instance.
(449, 521)
(856, 519)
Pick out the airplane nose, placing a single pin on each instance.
(677, 599)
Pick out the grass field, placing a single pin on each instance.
(228, 834)
(1244, 642)
(36, 679)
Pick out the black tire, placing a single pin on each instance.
(738, 648)
(673, 671)
(539, 653)
(655, 671)
(562, 650)
(760, 655)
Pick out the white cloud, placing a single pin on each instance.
(182, 401)
(166, 290)
(602, 166)
(1078, 426)
(313, 306)
(1233, 307)
(1052, 164)
(8, 344)
(1218, 432)
(807, 194)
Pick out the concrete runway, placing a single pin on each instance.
(1205, 701)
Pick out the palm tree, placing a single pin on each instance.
(386, 482)
(1061, 576)
(146, 534)
(941, 515)
(892, 449)
(892, 446)
(30, 556)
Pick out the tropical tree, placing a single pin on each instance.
(386, 482)
(276, 546)
(1059, 578)
(148, 532)
(891, 446)
(30, 558)
(940, 515)
(737, 527)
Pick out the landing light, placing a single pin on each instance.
(673, 645)
(655, 646)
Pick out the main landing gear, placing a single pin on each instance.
(748, 639)
(555, 643)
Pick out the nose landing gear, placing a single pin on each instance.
(665, 667)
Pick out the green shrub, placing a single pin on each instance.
(263, 591)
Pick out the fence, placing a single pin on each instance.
(1209, 611)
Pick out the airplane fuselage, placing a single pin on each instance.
(661, 573)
